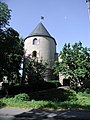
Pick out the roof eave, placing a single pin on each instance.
(42, 36)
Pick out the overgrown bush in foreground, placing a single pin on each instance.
(22, 97)
(80, 100)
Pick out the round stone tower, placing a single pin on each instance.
(41, 44)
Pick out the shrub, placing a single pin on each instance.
(22, 97)
(87, 90)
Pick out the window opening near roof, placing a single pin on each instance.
(36, 41)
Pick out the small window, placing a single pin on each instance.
(35, 41)
(34, 54)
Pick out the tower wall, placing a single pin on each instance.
(45, 48)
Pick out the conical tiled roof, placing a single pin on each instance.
(40, 30)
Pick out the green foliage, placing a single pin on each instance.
(11, 46)
(87, 90)
(2, 104)
(34, 69)
(22, 97)
(75, 64)
(82, 101)
(4, 14)
(11, 52)
(84, 98)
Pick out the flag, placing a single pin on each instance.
(42, 18)
(87, 0)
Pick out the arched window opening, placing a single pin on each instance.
(35, 41)
(34, 54)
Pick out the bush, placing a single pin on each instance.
(2, 93)
(87, 91)
(2, 104)
(22, 97)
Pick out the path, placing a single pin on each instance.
(37, 114)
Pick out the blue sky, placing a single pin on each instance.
(66, 20)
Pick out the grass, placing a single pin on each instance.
(51, 99)
(83, 99)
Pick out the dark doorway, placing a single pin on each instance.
(34, 54)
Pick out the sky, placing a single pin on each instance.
(66, 20)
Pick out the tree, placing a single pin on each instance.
(4, 15)
(11, 52)
(34, 70)
(75, 64)
(11, 46)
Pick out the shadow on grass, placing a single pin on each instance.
(27, 88)
(58, 99)
(53, 95)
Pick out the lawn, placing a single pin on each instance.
(51, 99)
